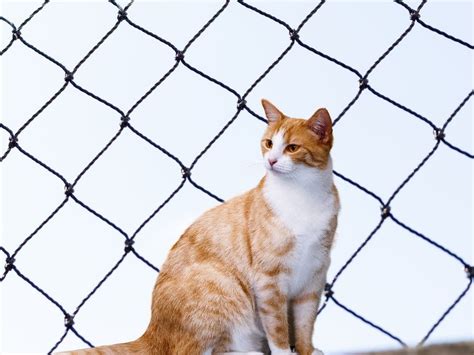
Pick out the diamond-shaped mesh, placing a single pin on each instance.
(125, 123)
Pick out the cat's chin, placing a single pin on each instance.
(279, 172)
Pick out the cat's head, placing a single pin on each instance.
(290, 145)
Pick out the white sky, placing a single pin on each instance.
(398, 281)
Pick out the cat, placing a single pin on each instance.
(248, 275)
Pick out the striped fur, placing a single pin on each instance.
(248, 275)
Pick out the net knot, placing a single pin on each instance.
(469, 271)
(414, 15)
(294, 36)
(68, 190)
(122, 15)
(241, 104)
(16, 34)
(185, 172)
(439, 134)
(13, 142)
(129, 245)
(385, 212)
(9, 263)
(179, 56)
(363, 83)
(124, 121)
(68, 77)
(68, 321)
(328, 292)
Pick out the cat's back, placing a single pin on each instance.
(222, 234)
(207, 276)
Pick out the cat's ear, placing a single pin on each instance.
(273, 114)
(320, 123)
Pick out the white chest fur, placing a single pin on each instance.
(306, 207)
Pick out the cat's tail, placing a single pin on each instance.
(133, 347)
(145, 346)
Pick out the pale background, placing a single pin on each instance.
(398, 281)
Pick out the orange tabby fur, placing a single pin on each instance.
(226, 270)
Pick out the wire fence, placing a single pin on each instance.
(125, 122)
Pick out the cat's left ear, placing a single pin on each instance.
(321, 124)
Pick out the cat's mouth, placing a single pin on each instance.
(280, 169)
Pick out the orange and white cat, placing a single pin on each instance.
(248, 275)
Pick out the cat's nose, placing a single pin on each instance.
(272, 161)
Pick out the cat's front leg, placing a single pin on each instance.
(304, 308)
(272, 305)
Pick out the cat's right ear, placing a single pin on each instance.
(273, 114)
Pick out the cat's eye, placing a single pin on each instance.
(268, 143)
(291, 148)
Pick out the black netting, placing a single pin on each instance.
(125, 122)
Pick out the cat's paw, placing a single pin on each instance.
(317, 352)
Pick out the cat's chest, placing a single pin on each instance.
(308, 218)
(307, 263)
(305, 214)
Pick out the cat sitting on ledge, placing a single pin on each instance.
(247, 276)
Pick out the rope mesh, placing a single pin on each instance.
(125, 123)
